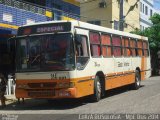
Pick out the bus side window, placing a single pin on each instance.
(81, 48)
(145, 48)
(82, 55)
(95, 44)
(127, 47)
(106, 45)
(133, 47)
(139, 46)
(116, 42)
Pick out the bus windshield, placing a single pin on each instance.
(45, 53)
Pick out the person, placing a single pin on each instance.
(3, 83)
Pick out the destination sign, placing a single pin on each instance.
(44, 28)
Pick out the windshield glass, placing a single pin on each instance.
(45, 53)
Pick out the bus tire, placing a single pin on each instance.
(97, 89)
(137, 82)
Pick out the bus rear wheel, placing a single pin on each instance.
(97, 90)
(137, 82)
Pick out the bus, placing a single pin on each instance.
(73, 59)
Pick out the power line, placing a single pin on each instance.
(132, 8)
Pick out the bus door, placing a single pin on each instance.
(84, 68)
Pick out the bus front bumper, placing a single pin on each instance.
(52, 93)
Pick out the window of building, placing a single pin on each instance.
(97, 22)
(116, 42)
(95, 44)
(146, 10)
(141, 27)
(141, 8)
(7, 17)
(30, 21)
(106, 45)
(116, 25)
(151, 12)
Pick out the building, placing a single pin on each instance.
(64, 9)
(106, 13)
(146, 11)
(16, 13)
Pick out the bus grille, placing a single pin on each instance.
(41, 93)
(41, 85)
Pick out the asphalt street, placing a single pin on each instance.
(146, 100)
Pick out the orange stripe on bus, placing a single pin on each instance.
(119, 81)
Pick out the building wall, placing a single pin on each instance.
(146, 11)
(132, 17)
(90, 11)
(67, 8)
(14, 14)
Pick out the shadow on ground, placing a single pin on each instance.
(43, 104)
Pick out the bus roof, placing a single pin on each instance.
(85, 25)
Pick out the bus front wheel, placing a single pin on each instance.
(97, 89)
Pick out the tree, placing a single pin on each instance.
(153, 34)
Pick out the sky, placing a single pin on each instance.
(157, 4)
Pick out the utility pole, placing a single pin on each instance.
(121, 17)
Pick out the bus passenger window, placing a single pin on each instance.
(133, 46)
(140, 46)
(127, 50)
(116, 42)
(106, 45)
(95, 44)
(145, 49)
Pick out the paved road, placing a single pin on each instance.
(124, 100)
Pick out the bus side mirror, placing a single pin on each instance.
(78, 39)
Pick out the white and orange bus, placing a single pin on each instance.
(73, 59)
